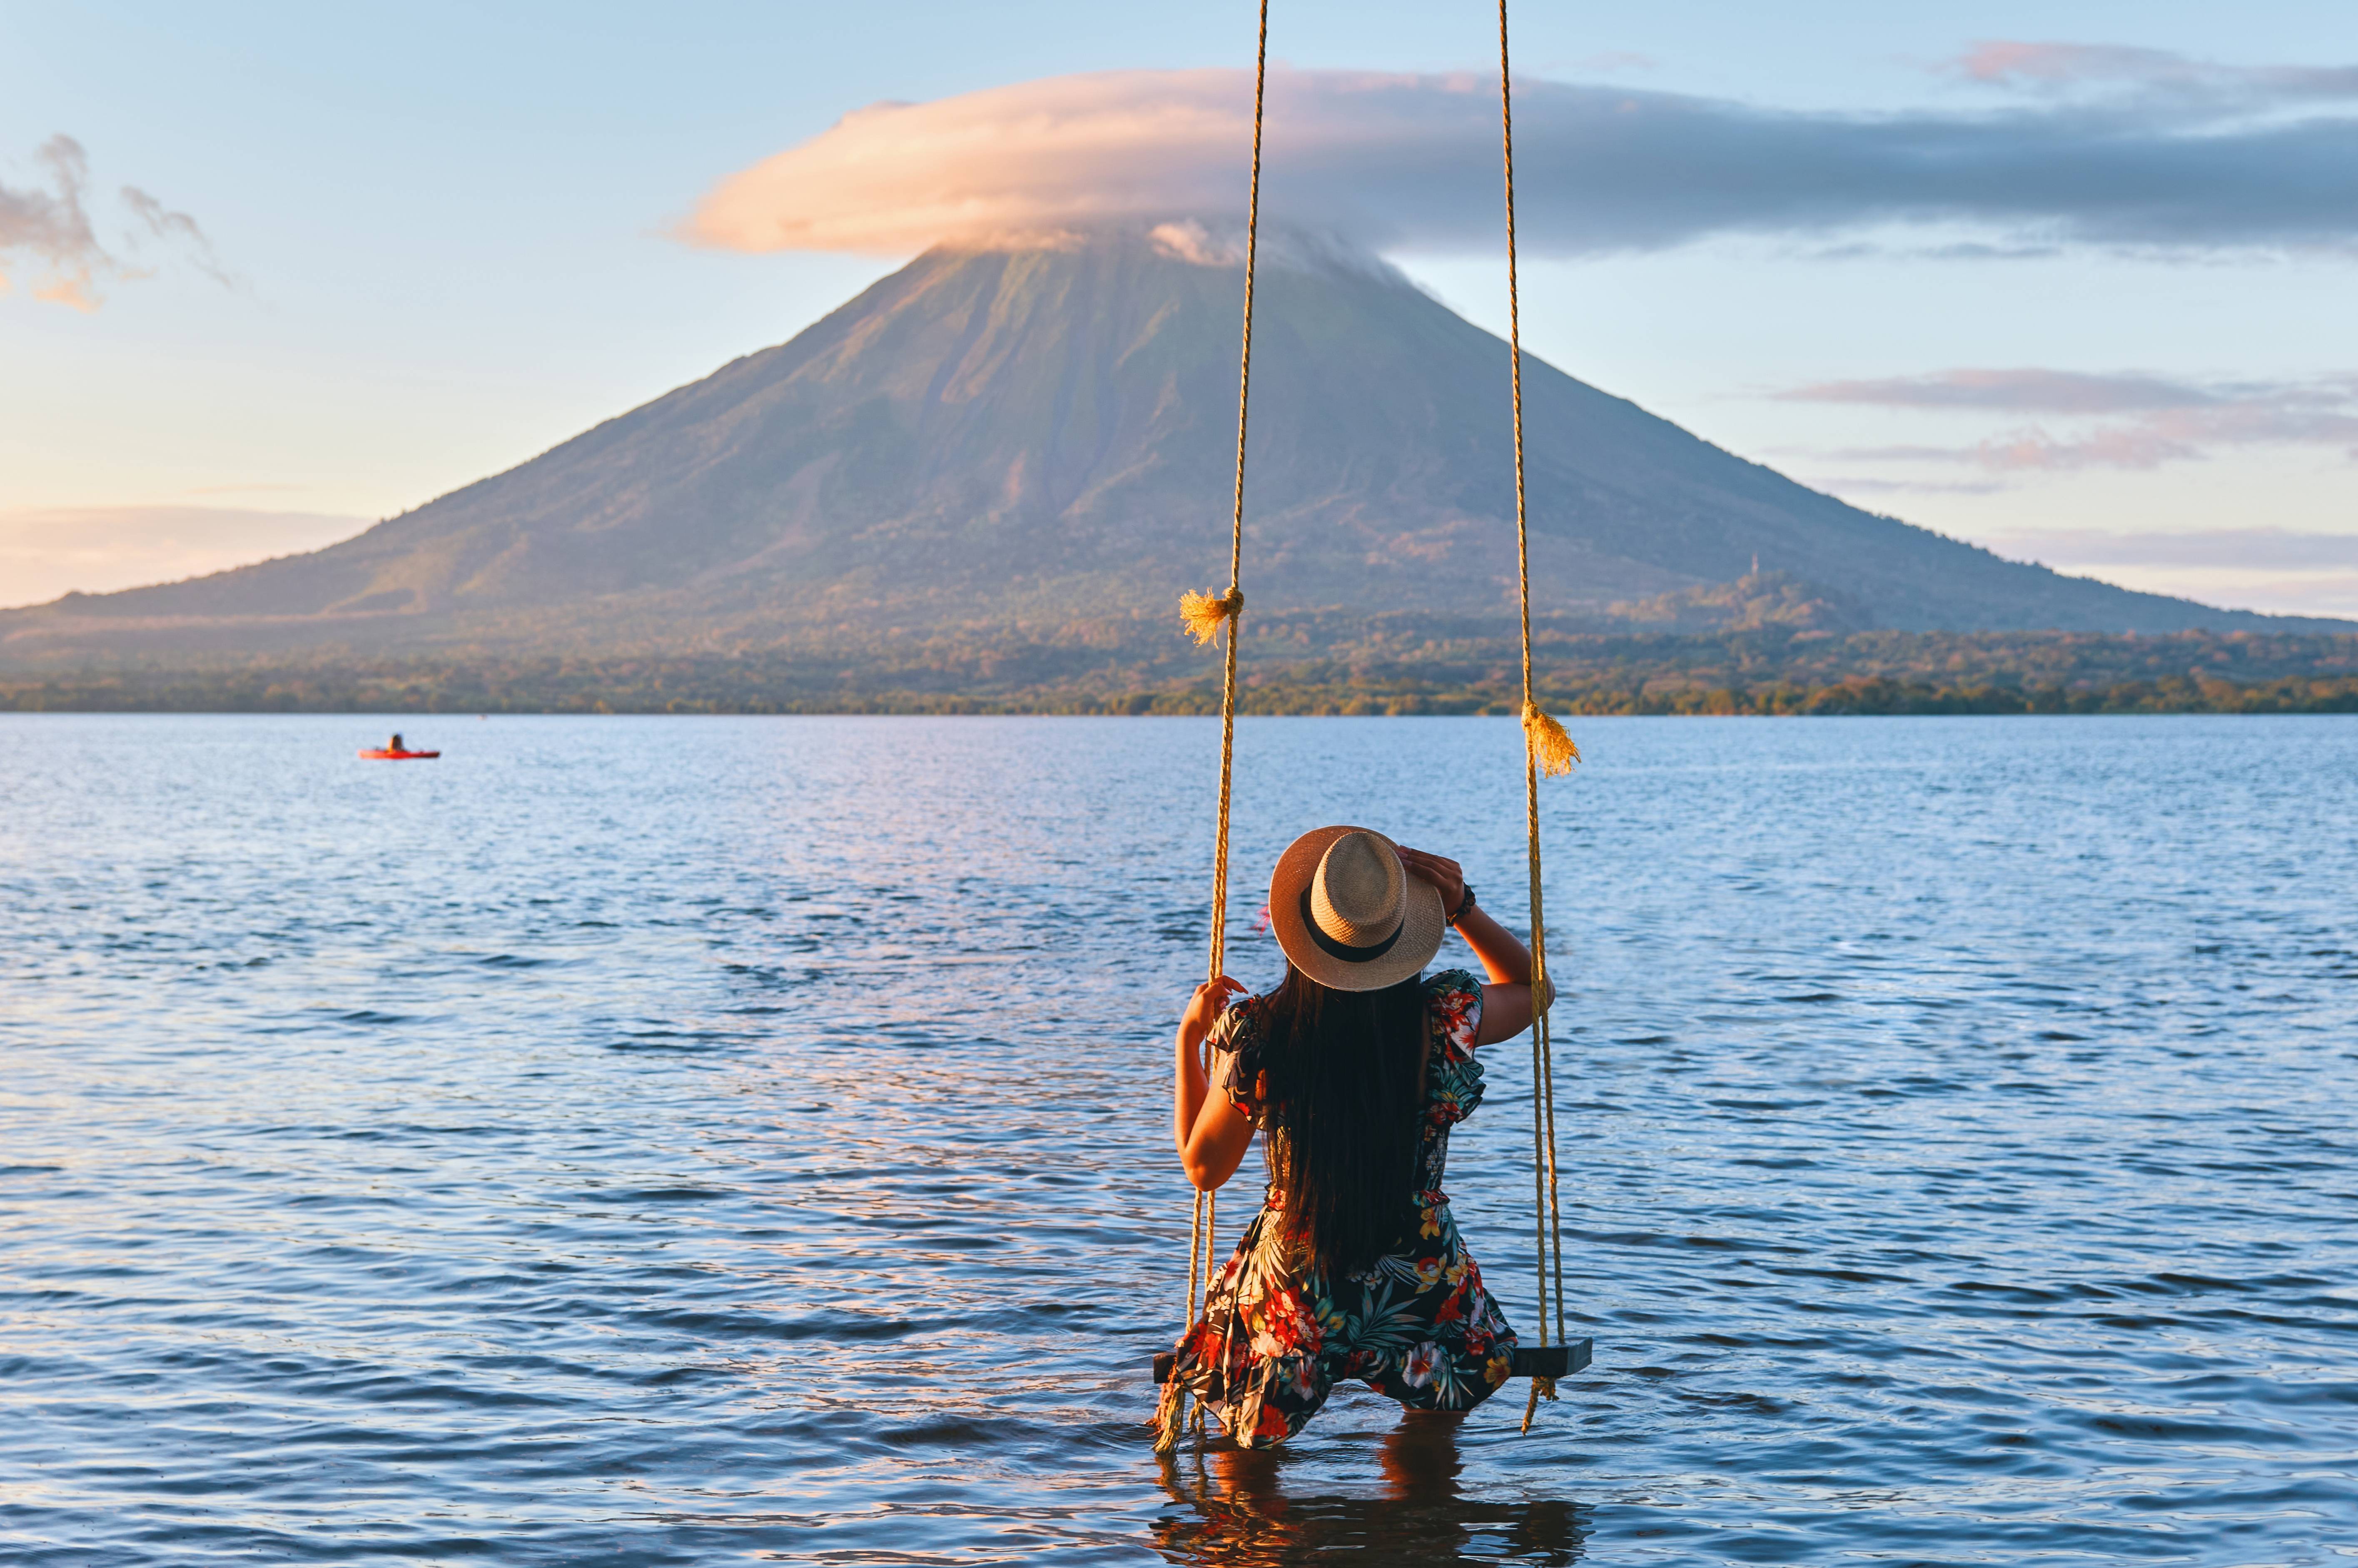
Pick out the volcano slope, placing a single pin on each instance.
(1037, 445)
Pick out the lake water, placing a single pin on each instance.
(642, 1140)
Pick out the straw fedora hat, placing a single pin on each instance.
(1347, 912)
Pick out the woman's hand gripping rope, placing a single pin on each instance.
(1204, 1008)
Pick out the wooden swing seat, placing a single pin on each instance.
(1529, 1361)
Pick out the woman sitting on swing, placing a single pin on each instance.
(1356, 1067)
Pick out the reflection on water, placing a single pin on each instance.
(1241, 1509)
(648, 1142)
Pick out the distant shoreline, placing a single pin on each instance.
(653, 687)
(1386, 670)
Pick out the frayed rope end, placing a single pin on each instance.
(1551, 747)
(1542, 1389)
(1203, 615)
(1170, 1415)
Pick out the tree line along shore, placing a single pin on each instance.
(1387, 672)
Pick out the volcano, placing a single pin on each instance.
(1046, 438)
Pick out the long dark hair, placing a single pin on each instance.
(1343, 1069)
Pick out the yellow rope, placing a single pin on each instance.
(1546, 749)
(1195, 1258)
(1231, 605)
(1204, 616)
(1211, 1256)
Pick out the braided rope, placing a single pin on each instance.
(1205, 616)
(1233, 602)
(1195, 1258)
(1540, 753)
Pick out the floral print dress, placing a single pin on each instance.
(1277, 1333)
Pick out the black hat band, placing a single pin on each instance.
(1334, 949)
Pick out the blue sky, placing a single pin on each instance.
(447, 232)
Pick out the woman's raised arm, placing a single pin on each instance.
(1507, 1000)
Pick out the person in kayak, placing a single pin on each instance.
(395, 744)
(1355, 1067)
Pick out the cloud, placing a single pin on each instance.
(2284, 571)
(2170, 420)
(1409, 163)
(2251, 549)
(170, 226)
(52, 230)
(2068, 67)
(47, 551)
(1848, 484)
(2042, 391)
(2273, 593)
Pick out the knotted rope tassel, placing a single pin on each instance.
(1204, 615)
(1552, 749)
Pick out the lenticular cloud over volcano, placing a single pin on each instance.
(1411, 163)
(1017, 163)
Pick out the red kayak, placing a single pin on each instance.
(379, 754)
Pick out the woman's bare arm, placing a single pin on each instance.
(1507, 1000)
(1212, 1134)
